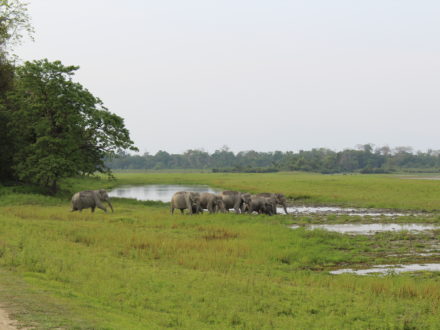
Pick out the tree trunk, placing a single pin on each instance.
(53, 188)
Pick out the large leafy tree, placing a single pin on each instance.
(60, 129)
(14, 24)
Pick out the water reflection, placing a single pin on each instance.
(158, 192)
(371, 228)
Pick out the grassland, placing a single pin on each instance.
(371, 191)
(141, 268)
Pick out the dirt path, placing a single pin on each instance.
(5, 322)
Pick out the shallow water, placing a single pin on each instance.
(338, 210)
(371, 228)
(389, 269)
(157, 192)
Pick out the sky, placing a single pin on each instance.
(253, 74)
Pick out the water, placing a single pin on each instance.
(338, 210)
(390, 269)
(158, 192)
(371, 228)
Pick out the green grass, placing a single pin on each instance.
(141, 268)
(372, 191)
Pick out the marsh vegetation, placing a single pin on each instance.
(140, 267)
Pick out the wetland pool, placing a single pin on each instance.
(389, 269)
(370, 228)
(157, 192)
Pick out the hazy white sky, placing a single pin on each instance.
(253, 74)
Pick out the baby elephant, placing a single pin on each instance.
(90, 198)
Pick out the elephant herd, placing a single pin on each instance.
(194, 202)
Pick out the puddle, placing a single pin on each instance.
(371, 228)
(158, 192)
(419, 254)
(339, 211)
(390, 269)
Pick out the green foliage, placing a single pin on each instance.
(364, 160)
(60, 129)
(14, 21)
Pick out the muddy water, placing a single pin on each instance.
(339, 210)
(371, 228)
(390, 269)
(157, 192)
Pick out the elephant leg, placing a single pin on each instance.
(102, 207)
(237, 207)
(172, 210)
(111, 206)
(189, 204)
(93, 209)
(285, 209)
(209, 207)
(181, 211)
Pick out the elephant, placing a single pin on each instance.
(246, 197)
(279, 198)
(90, 198)
(196, 206)
(185, 200)
(271, 204)
(212, 202)
(232, 199)
(260, 205)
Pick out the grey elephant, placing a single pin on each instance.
(232, 200)
(246, 197)
(212, 202)
(185, 200)
(261, 205)
(279, 198)
(271, 206)
(90, 199)
(196, 206)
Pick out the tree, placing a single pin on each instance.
(14, 21)
(60, 129)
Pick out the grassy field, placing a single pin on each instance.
(372, 191)
(141, 268)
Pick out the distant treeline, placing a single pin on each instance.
(364, 159)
